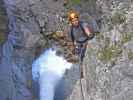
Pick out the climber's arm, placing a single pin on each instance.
(88, 31)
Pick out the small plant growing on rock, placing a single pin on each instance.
(118, 17)
(76, 1)
(109, 52)
(127, 37)
(29, 84)
(130, 55)
(2, 38)
(99, 36)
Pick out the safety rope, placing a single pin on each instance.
(81, 86)
(81, 74)
(80, 54)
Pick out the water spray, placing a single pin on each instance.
(48, 69)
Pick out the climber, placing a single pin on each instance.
(80, 33)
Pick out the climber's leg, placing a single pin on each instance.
(82, 51)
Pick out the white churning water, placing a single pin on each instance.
(48, 69)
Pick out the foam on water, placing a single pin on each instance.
(48, 69)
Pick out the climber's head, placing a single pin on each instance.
(73, 17)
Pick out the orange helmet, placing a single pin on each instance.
(73, 14)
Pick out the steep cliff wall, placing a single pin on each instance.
(108, 63)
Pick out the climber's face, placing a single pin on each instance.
(75, 21)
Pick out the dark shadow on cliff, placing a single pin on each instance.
(66, 85)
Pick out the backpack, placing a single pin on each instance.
(93, 25)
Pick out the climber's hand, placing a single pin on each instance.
(74, 44)
(75, 50)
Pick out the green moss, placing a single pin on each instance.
(130, 54)
(76, 1)
(2, 38)
(109, 52)
(3, 22)
(99, 36)
(118, 17)
(127, 37)
(29, 84)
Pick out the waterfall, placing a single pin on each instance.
(48, 69)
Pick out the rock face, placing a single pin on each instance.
(108, 64)
(3, 24)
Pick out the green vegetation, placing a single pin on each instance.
(108, 52)
(118, 17)
(2, 38)
(99, 36)
(130, 54)
(29, 84)
(3, 22)
(127, 37)
(76, 1)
